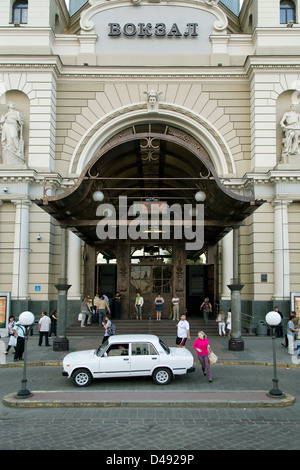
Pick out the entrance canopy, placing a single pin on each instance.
(152, 164)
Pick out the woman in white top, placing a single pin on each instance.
(228, 323)
(12, 340)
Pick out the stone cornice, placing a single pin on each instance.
(271, 62)
(31, 63)
(75, 72)
(9, 174)
(275, 176)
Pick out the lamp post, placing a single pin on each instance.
(26, 320)
(273, 319)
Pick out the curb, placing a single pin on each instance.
(228, 399)
(220, 362)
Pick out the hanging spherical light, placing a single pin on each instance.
(200, 196)
(98, 196)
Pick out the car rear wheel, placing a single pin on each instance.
(82, 378)
(162, 376)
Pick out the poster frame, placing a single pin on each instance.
(4, 325)
(295, 303)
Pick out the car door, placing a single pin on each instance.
(144, 358)
(115, 361)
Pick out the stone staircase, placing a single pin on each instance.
(165, 327)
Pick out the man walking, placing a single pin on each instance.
(183, 332)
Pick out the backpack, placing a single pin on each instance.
(112, 329)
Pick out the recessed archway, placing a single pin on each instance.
(148, 161)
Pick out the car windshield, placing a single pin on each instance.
(164, 346)
(101, 348)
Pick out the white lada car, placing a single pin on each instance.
(128, 356)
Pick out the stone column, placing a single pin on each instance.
(21, 250)
(227, 266)
(179, 273)
(281, 250)
(236, 343)
(74, 266)
(123, 276)
(61, 343)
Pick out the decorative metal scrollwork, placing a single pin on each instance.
(149, 149)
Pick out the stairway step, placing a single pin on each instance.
(130, 326)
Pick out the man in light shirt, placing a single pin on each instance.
(139, 302)
(19, 333)
(44, 327)
(183, 332)
(175, 302)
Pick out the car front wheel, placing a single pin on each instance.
(162, 376)
(82, 378)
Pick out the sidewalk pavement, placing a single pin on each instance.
(257, 352)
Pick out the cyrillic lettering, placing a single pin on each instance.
(129, 29)
(144, 30)
(174, 31)
(160, 29)
(114, 29)
(191, 27)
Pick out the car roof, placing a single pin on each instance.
(132, 338)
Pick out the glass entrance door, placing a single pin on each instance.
(150, 280)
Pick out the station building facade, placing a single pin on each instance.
(150, 102)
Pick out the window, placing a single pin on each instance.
(143, 349)
(287, 11)
(147, 279)
(118, 350)
(20, 12)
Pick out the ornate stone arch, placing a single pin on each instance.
(192, 124)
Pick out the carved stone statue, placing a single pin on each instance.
(152, 98)
(12, 136)
(290, 124)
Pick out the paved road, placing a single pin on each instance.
(155, 429)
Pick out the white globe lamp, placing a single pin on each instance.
(273, 319)
(26, 318)
(200, 196)
(98, 196)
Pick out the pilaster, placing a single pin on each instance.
(21, 250)
(281, 250)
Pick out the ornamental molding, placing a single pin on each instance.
(205, 128)
(97, 6)
(275, 176)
